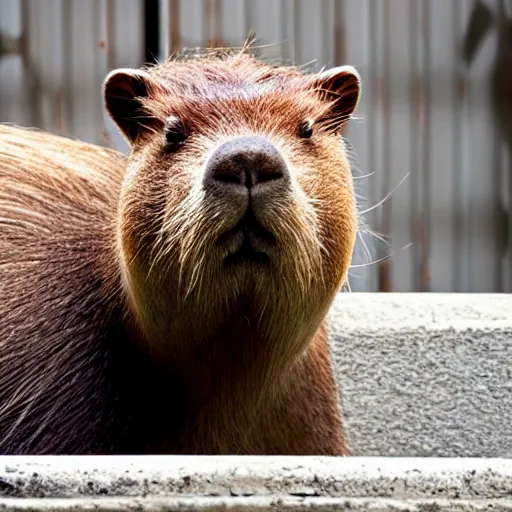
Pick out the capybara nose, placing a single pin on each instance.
(246, 161)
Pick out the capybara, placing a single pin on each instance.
(174, 301)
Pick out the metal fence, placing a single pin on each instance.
(425, 129)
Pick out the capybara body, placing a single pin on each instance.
(174, 301)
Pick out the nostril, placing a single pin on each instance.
(227, 176)
(246, 161)
(268, 175)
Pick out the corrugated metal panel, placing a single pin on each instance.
(425, 121)
(70, 46)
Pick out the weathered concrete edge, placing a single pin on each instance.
(285, 478)
(356, 313)
(259, 504)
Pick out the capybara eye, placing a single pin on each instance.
(305, 130)
(174, 131)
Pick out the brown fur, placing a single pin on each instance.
(121, 331)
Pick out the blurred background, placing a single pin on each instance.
(432, 139)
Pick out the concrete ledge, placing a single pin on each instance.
(425, 374)
(254, 483)
(421, 375)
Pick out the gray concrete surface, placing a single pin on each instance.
(425, 374)
(421, 375)
(254, 483)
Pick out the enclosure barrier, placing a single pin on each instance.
(426, 384)
(425, 375)
(254, 483)
(427, 129)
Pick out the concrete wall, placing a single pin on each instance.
(254, 483)
(422, 375)
(425, 374)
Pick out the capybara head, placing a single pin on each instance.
(238, 200)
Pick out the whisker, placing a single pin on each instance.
(365, 229)
(382, 238)
(384, 258)
(383, 200)
(364, 176)
(367, 250)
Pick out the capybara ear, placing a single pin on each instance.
(341, 87)
(124, 90)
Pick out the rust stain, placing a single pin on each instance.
(176, 42)
(213, 9)
(385, 277)
(424, 263)
(102, 44)
(106, 137)
(215, 43)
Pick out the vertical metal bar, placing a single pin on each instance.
(217, 35)
(368, 159)
(67, 48)
(499, 213)
(30, 70)
(418, 137)
(328, 35)
(467, 172)
(415, 113)
(110, 35)
(425, 223)
(105, 35)
(59, 110)
(283, 29)
(100, 56)
(248, 20)
(164, 36)
(207, 5)
(287, 18)
(297, 50)
(174, 27)
(458, 174)
(372, 108)
(58, 99)
(508, 170)
(462, 252)
(385, 278)
(503, 167)
(151, 39)
(339, 32)
(213, 10)
(99, 41)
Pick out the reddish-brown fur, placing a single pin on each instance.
(121, 330)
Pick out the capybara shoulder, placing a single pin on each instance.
(58, 202)
(174, 301)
